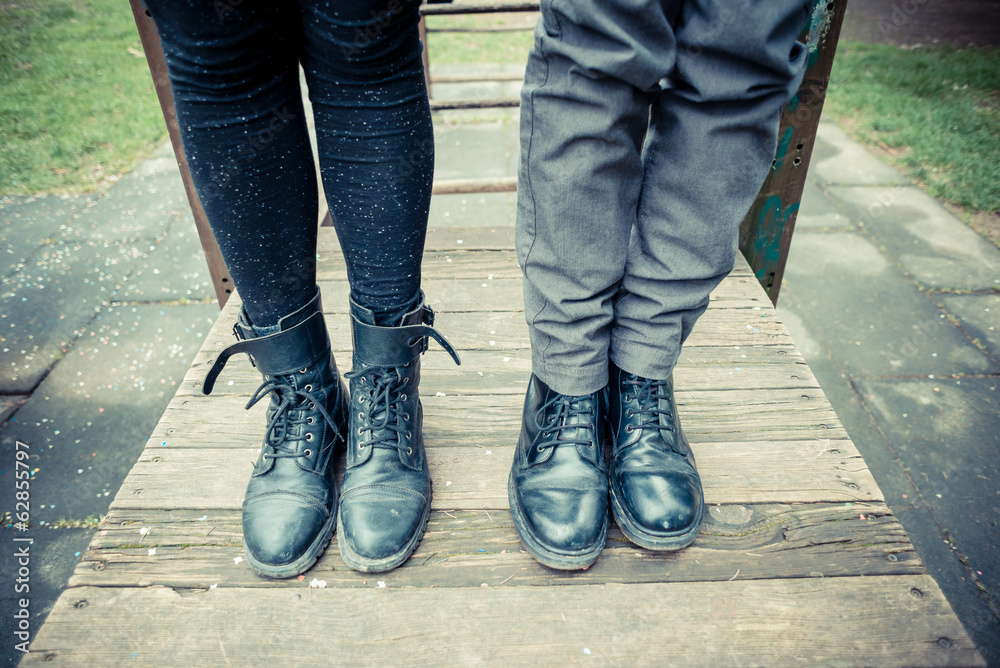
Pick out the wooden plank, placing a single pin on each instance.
(470, 464)
(880, 620)
(464, 548)
(479, 374)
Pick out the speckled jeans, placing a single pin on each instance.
(647, 128)
(234, 70)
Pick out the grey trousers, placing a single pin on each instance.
(647, 128)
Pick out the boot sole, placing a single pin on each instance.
(366, 565)
(544, 555)
(303, 563)
(651, 541)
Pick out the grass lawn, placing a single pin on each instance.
(77, 103)
(935, 113)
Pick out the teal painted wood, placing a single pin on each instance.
(766, 231)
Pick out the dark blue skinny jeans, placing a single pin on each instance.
(234, 70)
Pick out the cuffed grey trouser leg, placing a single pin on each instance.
(647, 129)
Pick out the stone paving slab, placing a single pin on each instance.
(838, 159)
(873, 319)
(54, 555)
(485, 209)
(937, 428)
(470, 151)
(10, 403)
(173, 269)
(816, 211)
(141, 206)
(933, 246)
(979, 315)
(45, 305)
(478, 90)
(89, 419)
(26, 222)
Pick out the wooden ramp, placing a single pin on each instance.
(799, 560)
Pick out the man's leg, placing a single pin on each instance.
(712, 136)
(713, 133)
(594, 70)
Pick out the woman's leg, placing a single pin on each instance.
(376, 143)
(366, 83)
(234, 73)
(235, 79)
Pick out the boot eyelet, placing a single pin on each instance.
(361, 431)
(361, 416)
(312, 406)
(409, 451)
(591, 443)
(362, 400)
(303, 370)
(540, 448)
(628, 429)
(628, 397)
(309, 436)
(406, 416)
(311, 420)
(309, 388)
(409, 435)
(402, 397)
(628, 412)
(307, 453)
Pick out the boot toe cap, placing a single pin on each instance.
(660, 502)
(565, 520)
(278, 531)
(377, 524)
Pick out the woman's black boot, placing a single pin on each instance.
(290, 507)
(387, 486)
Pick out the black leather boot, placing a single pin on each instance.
(290, 505)
(387, 486)
(656, 494)
(558, 485)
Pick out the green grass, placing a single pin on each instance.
(77, 104)
(934, 111)
(482, 48)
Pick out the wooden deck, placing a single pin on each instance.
(799, 560)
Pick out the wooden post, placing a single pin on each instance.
(221, 280)
(766, 231)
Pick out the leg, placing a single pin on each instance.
(713, 134)
(234, 73)
(373, 125)
(594, 71)
(376, 143)
(235, 79)
(584, 113)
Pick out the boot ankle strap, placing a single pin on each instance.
(277, 354)
(395, 346)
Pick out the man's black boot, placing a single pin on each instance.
(387, 486)
(558, 485)
(290, 507)
(656, 494)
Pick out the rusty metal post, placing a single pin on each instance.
(221, 280)
(766, 231)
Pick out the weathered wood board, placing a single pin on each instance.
(799, 560)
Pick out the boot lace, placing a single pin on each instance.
(385, 417)
(648, 393)
(564, 408)
(291, 411)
